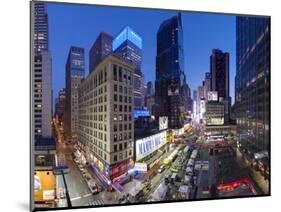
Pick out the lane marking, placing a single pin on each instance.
(75, 198)
(87, 195)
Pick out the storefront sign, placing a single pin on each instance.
(141, 167)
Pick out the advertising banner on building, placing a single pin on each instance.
(149, 144)
(44, 186)
(173, 88)
(141, 167)
(212, 96)
(163, 122)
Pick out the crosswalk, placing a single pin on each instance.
(97, 202)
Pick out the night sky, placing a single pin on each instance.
(79, 25)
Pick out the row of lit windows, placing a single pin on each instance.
(121, 117)
(122, 136)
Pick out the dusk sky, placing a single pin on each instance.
(79, 25)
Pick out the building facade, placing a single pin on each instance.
(170, 72)
(219, 66)
(100, 49)
(214, 114)
(60, 104)
(42, 74)
(41, 28)
(252, 83)
(106, 126)
(149, 89)
(207, 84)
(128, 45)
(74, 73)
(44, 145)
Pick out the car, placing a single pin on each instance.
(205, 166)
(174, 170)
(161, 169)
(206, 190)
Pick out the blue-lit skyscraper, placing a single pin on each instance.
(128, 45)
(170, 76)
(74, 73)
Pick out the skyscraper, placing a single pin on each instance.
(219, 66)
(170, 71)
(41, 29)
(207, 84)
(252, 83)
(100, 49)
(60, 104)
(149, 88)
(44, 148)
(74, 73)
(128, 45)
(42, 74)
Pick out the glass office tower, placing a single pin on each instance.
(74, 73)
(252, 84)
(170, 71)
(100, 49)
(219, 66)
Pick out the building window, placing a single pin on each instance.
(115, 72)
(115, 108)
(115, 158)
(115, 88)
(120, 74)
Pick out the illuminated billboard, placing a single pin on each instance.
(173, 88)
(215, 120)
(44, 186)
(212, 96)
(141, 113)
(149, 144)
(127, 34)
(163, 122)
(141, 167)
